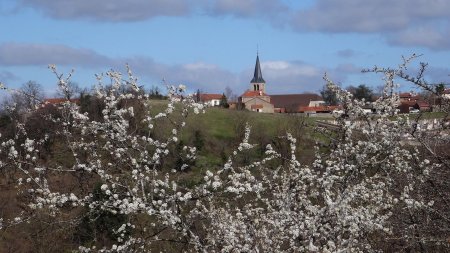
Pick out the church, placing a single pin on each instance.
(256, 99)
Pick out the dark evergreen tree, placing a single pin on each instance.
(328, 96)
(364, 92)
(198, 96)
(361, 92)
(223, 102)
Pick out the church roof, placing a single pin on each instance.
(253, 93)
(257, 76)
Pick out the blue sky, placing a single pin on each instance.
(211, 44)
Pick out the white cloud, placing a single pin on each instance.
(110, 10)
(283, 68)
(22, 54)
(137, 10)
(402, 22)
(272, 9)
(397, 21)
(425, 36)
(199, 75)
(284, 77)
(369, 16)
(348, 68)
(277, 65)
(209, 77)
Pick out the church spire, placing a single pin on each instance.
(257, 76)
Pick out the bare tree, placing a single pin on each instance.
(69, 91)
(27, 97)
(231, 96)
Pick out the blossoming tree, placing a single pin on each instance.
(372, 167)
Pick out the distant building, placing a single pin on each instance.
(407, 96)
(409, 101)
(55, 101)
(295, 103)
(232, 105)
(256, 99)
(210, 99)
(408, 106)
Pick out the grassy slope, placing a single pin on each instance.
(222, 130)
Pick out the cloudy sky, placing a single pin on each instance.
(211, 44)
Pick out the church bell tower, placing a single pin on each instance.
(258, 83)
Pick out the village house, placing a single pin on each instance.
(407, 96)
(299, 103)
(410, 102)
(210, 98)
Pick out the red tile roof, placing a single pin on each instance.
(409, 103)
(409, 96)
(60, 100)
(423, 104)
(253, 93)
(292, 102)
(208, 97)
(405, 95)
(319, 108)
(420, 104)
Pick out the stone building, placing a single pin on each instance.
(255, 99)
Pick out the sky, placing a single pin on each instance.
(212, 44)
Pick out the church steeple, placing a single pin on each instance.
(258, 83)
(257, 76)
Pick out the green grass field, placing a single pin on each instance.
(217, 133)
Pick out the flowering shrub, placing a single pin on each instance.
(117, 172)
